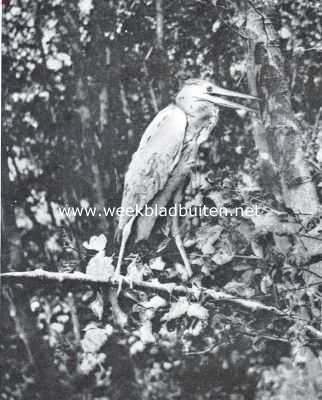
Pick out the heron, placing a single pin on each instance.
(166, 155)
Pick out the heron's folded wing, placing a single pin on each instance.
(155, 159)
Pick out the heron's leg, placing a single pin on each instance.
(176, 233)
(194, 181)
(119, 315)
(125, 235)
(194, 166)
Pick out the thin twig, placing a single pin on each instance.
(266, 337)
(311, 237)
(317, 121)
(212, 348)
(74, 318)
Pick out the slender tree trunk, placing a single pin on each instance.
(162, 57)
(16, 300)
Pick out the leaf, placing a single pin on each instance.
(207, 236)
(189, 242)
(145, 333)
(270, 222)
(167, 366)
(248, 184)
(196, 329)
(177, 309)
(216, 26)
(155, 303)
(94, 339)
(285, 32)
(97, 305)
(223, 255)
(90, 361)
(266, 283)
(35, 305)
(100, 266)
(163, 245)
(109, 329)
(239, 288)
(54, 64)
(180, 269)
(207, 249)
(312, 246)
(137, 347)
(198, 311)
(134, 272)
(63, 319)
(282, 244)
(257, 249)
(217, 198)
(316, 231)
(85, 6)
(157, 264)
(57, 327)
(97, 243)
(319, 155)
(312, 276)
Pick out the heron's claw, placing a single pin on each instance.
(119, 279)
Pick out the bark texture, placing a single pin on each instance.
(277, 133)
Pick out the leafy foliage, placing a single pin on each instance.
(82, 80)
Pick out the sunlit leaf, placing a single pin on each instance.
(155, 302)
(145, 333)
(223, 255)
(266, 284)
(137, 347)
(239, 288)
(94, 339)
(97, 305)
(177, 309)
(198, 311)
(157, 264)
(97, 243)
(100, 266)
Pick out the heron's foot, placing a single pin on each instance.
(119, 279)
(119, 316)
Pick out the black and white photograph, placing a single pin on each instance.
(161, 200)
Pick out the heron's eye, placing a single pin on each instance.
(209, 89)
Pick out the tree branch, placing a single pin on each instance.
(163, 289)
(78, 278)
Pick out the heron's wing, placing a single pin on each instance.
(155, 159)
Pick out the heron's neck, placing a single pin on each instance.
(197, 109)
(202, 119)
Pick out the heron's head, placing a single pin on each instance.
(199, 90)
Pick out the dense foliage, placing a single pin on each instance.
(81, 81)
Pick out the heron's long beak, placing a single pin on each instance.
(227, 103)
(232, 93)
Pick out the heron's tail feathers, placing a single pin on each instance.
(118, 235)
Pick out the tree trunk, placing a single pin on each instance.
(278, 134)
(17, 304)
(162, 56)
